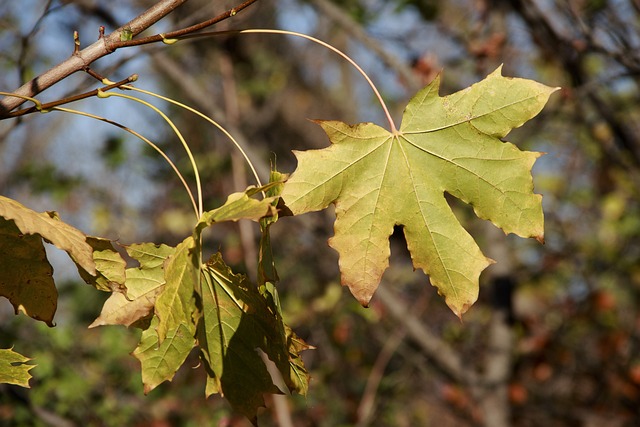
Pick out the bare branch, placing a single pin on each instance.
(184, 31)
(50, 105)
(80, 60)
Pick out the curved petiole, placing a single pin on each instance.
(207, 118)
(199, 209)
(392, 125)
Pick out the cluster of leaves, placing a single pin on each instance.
(377, 179)
(178, 301)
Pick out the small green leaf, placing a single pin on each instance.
(175, 306)
(14, 368)
(149, 255)
(110, 267)
(26, 277)
(238, 206)
(160, 362)
(236, 320)
(126, 34)
(143, 283)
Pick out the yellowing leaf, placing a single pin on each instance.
(143, 284)
(238, 206)
(143, 287)
(379, 179)
(14, 368)
(160, 362)
(175, 306)
(47, 225)
(110, 267)
(26, 277)
(236, 321)
(149, 255)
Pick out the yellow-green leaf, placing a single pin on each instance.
(14, 368)
(175, 306)
(49, 226)
(238, 206)
(380, 179)
(236, 321)
(159, 362)
(110, 267)
(143, 285)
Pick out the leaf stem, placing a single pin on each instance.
(176, 131)
(146, 140)
(67, 100)
(392, 125)
(207, 118)
(41, 107)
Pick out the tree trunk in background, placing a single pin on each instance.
(493, 390)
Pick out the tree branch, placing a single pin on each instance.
(74, 98)
(105, 45)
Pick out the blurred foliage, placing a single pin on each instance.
(575, 354)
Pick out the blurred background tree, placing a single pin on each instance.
(553, 340)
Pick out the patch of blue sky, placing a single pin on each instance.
(76, 149)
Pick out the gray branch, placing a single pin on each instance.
(83, 58)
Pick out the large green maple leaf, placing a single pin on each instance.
(379, 179)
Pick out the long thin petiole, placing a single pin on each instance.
(147, 141)
(207, 118)
(392, 125)
(176, 131)
(38, 105)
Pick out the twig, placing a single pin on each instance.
(73, 98)
(107, 44)
(184, 31)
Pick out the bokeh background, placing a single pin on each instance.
(554, 338)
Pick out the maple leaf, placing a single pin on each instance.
(144, 284)
(175, 305)
(237, 320)
(380, 179)
(14, 368)
(160, 361)
(52, 229)
(238, 206)
(110, 267)
(26, 277)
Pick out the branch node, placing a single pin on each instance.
(102, 94)
(166, 40)
(101, 32)
(232, 12)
